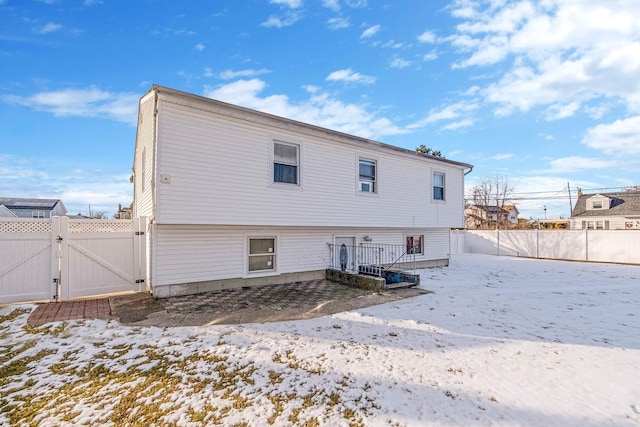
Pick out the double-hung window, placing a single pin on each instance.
(438, 186)
(286, 163)
(414, 245)
(262, 254)
(367, 176)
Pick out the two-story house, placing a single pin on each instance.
(607, 211)
(12, 207)
(236, 197)
(484, 217)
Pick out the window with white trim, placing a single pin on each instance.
(415, 245)
(367, 175)
(286, 163)
(38, 214)
(262, 254)
(438, 186)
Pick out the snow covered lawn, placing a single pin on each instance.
(500, 342)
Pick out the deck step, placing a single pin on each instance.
(400, 285)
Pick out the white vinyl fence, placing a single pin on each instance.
(620, 246)
(61, 258)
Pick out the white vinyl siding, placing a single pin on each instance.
(613, 222)
(186, 253)
(199, 152)
(143, 170)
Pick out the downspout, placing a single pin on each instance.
(469, 171)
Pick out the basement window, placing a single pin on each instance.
(414, 245)
(262, 254)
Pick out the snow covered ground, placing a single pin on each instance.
(501, 342)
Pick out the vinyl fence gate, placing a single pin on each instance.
(61, 258)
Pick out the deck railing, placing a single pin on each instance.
(370, 258)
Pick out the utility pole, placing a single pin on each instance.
(570, 203)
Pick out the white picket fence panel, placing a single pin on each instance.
(619, 246)
(62, 258)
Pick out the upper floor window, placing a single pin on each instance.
(597, 204)
(438, 186)
(286, 163)
(367, 175)
(38, 214)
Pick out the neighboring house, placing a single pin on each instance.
(485, 217)
(236, 197)
(607, 211)
(512, 215)
(123, 213)
(11, 207)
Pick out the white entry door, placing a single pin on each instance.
(345, 256)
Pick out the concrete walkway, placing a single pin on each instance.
(302, 300)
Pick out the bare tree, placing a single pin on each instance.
(491, 196)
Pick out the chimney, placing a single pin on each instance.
(579, 191)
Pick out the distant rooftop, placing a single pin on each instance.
(18, 203)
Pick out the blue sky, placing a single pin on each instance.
(544, 93)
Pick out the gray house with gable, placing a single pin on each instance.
(607, 211)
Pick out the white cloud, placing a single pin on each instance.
(448, 112)
(199, 47)
(561, 111)
(92, 102)
(562, 53)
(231, 74)
(319, 109)
(503, 156)
(331, 4)
(39, 177)
(465, 123)
(578, 163)
(286, 20)
(50, 27)
(370, 32)
(431, 56)
(620, 137)
(427, 37)
(399, 63)
(349, 76)
(292, 4)
(338, 23)
(356, 4)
